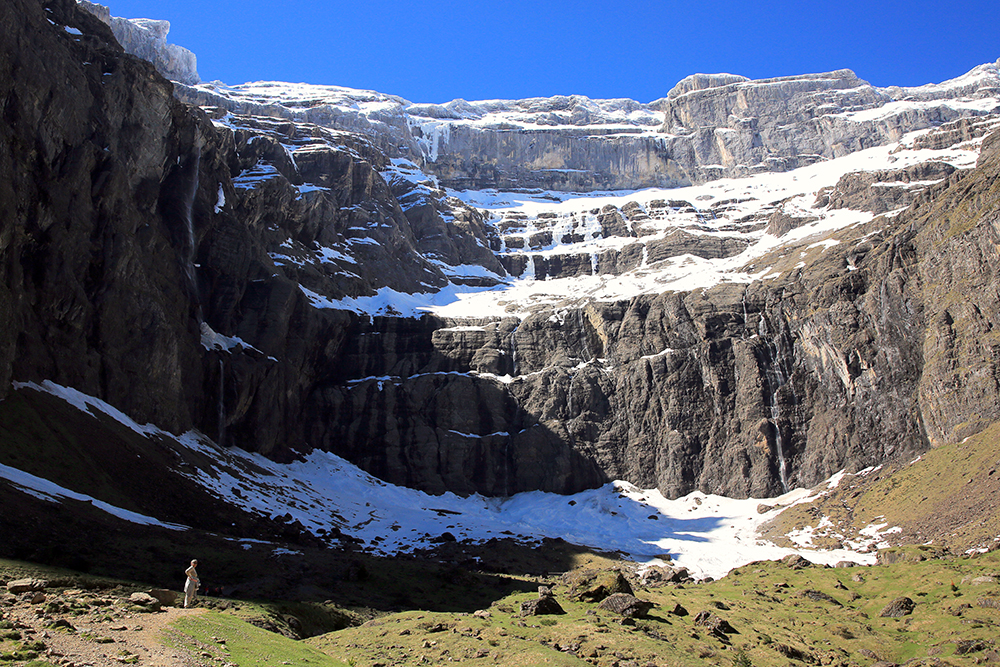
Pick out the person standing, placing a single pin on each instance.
(191, 585)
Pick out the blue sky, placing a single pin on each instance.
(438, 50)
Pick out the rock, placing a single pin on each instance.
(796, 562)
(145, 600)
(658, 576)
(542, 606)
(482, 613)
(820, 596)
(715, 625)
(595, 585)
(845, 563)
(966, 646)
(38, 598)
(147, 39)
(19, 586)
(898, 608)
(626, 605)
(679, 610)
(165, 597)
(982, 580)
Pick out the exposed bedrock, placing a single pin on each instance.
(710, 127)
(147, 39)
(197, 271)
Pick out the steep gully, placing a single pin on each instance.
(128, 278)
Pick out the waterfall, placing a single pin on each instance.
(221, 414)
(569, 399)
(529, 268)
(594, 263)
(513, 350)
(184, 182)
(776, 378)
(190, 195)
(746, 318)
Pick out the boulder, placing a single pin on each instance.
(595, 585)
(820, 596)
(625, 604)
(165, 597)
(658, 576)
(898, 608)
(19, 586)
(145, 601)
(714, 624)
(541, 606)
(796, 562)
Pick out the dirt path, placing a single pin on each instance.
(110, 633)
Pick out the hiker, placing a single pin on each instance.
(191, 585)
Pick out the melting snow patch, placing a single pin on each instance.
(51, 492)
(708, 534)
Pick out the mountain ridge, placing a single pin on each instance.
(284, 285)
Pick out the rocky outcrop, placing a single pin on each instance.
(778, 124)
(147, 39)
(709, 127)
(240, 270)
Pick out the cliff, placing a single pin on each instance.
(286, 276)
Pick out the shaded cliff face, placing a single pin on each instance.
(280, 285)
(97, 253)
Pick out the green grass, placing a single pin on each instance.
(242, 643)
(775, 623)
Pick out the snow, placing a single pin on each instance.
(211, 340)
(220, 200)
(718, 210)
(50, 492)
(708, 534)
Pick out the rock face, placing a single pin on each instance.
(708, 127)
(147, 39)
(242, 274)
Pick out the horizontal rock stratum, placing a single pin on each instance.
(286, 268)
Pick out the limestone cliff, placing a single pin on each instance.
(253, 271)
(707, 127)
(147, 39)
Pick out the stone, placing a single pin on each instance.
(626, 605)
(165, 597)
(19, 586)
(796, 562)
(714, 624)
(595, 585)
(144, 600)
(898, 608)
(679, 610)
(542, 606)
(820, 596)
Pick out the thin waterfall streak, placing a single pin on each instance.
(776, 379)
(221, 414)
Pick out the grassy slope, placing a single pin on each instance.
(947, 497)
(764, 602)
(775, 621)
(241, 643)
